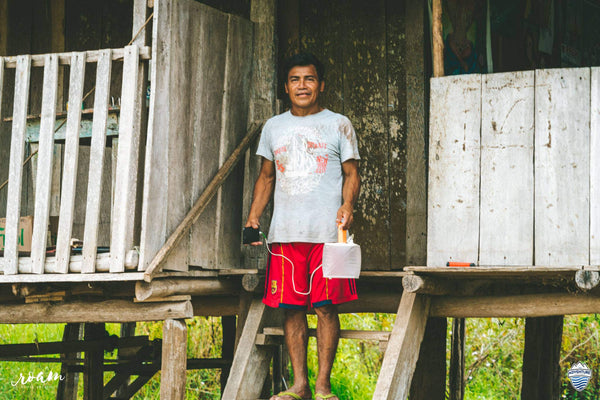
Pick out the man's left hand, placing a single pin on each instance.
(344, 216)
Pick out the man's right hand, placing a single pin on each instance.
(253, 222)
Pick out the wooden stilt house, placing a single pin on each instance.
(127, 143)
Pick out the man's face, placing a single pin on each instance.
(303, 87)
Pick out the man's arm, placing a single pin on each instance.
(350, 191)
(263, 189)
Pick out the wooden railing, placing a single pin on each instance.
(125, 171)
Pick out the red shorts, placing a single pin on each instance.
(282, 291)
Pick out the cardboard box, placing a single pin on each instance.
(25, 233)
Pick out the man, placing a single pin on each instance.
(310, 157)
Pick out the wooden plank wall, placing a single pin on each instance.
(454, 151)
(191, 133)
(362, 45)
(538, 199)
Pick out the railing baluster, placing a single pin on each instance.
(15, 172)
(45, 159)
(94, 193)
(123, 211)
(67, 197)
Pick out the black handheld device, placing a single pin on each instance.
(251, 235)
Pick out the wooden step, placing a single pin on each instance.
(274, 335)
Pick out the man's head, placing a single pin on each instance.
(304, 83)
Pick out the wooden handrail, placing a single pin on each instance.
(201, 203)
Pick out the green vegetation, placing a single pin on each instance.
(494, 350)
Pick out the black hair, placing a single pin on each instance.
(304, 59)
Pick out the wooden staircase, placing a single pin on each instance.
(262, 334)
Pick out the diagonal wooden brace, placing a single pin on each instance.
(400, 359)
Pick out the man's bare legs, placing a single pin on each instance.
(296, 339)
(328, 335)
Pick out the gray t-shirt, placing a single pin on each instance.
(308, 153)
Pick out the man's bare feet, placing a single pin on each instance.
(301, 393)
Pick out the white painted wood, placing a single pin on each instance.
(96, 170)
(154, 210)
(454, 156)
(44, 165)
(67, 196)
(140, 9)
(37, 60)
(15, 172)
(123, 212)
(595, 167)
(507, 136)
(562, 166)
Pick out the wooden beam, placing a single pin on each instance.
(426, 285)
(587, 280)
(94, 363)
(402, 352)
(438, 40)
(92, 56)
(201, 203)
(198, 287)
(174, 359)
(100, 311)
(533, 305)
(3, 28)
(140, 13)
(382, 336)
(429, 379)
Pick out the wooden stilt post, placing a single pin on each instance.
(429, 379)
(541, 368)
(93, 382)
(227, 350)
(127, 330)
(67, 388)
(174, 360)
(457, 360)
(402, 351)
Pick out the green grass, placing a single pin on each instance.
(494, 350)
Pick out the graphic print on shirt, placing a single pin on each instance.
(301, 159)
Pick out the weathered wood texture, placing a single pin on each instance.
(206, 119)
(507, 133)
(429, 380)
(103, 311)
(536, 163)
(400, 359)
(454, 166)
(174, 360)
(17, 150)
(45, 163)
(562, 166)
(595, 167)
(69, 178)
(362, 45)
(416, 135)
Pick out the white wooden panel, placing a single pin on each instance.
(67, 196)
(44, 165)
(123, 212)
(96, 170)
(507, 136)
(595, 167)
(454, 155)
(207, 95)
(562, 169)
(15, 171)
(235, 114)
(154, 209)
